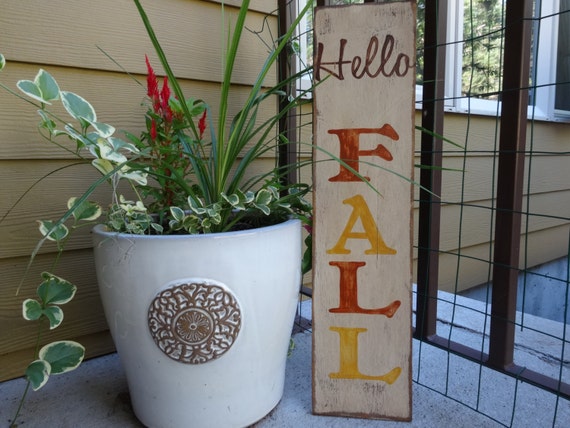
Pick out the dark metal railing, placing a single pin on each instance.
(510, 177)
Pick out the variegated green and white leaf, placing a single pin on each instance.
(262, 200)
(198, 209)
(248, 196)
(52, 232)
(139, 177)
(30, 89)
(78, 107)
(47, 86)
(55, 316)
(47, 123)
(103, 130)
(55, 290)
(63, 356)
(177, 213)
(119, 144)
(234, 201)
(263, 208)
(108, 152)
(37, 373)
(81, 140)
(87, 210)
(31, 309)
(157, 228)
(103, 166)
(263, 197)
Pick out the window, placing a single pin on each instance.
(475, 37)
(482, 52)
(474, 52)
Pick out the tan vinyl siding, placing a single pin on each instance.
(549, 193)
(60, 32)
(63, 37)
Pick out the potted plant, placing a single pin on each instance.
(198, 262)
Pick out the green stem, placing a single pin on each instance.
(20, 406)
(38, 341)
(25, 393)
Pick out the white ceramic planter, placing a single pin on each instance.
(201, 323)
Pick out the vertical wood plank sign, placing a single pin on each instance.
(364, 61)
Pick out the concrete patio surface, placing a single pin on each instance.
(96, 396)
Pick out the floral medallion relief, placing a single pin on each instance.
(194, 322)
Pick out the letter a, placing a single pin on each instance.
(371, 232)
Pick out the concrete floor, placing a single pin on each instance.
(96, 396)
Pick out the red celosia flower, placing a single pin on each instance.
(202, 124)
(151, 81)
(153, 132)
(164, 97)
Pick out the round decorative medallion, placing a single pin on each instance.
(194, 322)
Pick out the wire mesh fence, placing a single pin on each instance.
(492, 301)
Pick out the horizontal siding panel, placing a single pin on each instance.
(115, 96)
(471, 225)
(46, 201)
(19, 233)
(192, 32)
(473, 269)
(479, 134)
(264, 6)
(14, 363)
(549, 174)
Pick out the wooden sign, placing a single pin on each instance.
(364, 59)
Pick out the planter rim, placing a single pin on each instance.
(102, 230)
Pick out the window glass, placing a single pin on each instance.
(482, 49)
(420, 31)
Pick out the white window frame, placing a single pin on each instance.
(460, 103)
(453, 58)
(306, 81)
(546, 72)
